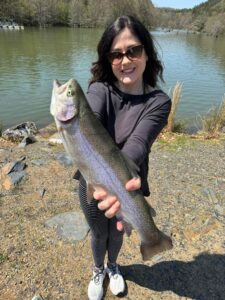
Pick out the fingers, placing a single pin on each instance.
(107, 202)
(110, 203)
(113, 209)
(111, 206)
(119, 226)
(99, 193)
(133, 184)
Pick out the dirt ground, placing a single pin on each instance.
(187, 179)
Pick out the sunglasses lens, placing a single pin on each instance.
(132, 53)
(115, 57)
(135, 52)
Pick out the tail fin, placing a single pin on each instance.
(148, 250)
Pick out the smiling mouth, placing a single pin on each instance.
(128, 71)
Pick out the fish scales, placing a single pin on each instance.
(105, 175)
(102, 164)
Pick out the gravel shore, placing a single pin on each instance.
(187, 180)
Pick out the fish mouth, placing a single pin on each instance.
(66, 115)
(65, 122)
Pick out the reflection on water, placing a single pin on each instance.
(32, 58)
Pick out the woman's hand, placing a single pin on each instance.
(110, 203)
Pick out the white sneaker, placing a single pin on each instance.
(95, 287)
(116, 281)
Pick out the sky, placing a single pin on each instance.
(177, 3)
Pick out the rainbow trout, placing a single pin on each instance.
(102, 164)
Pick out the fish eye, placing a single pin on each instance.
(70, 93)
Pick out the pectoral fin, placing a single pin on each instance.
(127, 226)
(152, 211)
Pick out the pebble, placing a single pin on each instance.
(37, 297)
(64, 159)
(39, 162)
(219, 210)
(42, 192)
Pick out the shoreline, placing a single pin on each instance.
(187, 185)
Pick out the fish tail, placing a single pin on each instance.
(148, 250)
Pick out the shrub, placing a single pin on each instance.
(214, 121)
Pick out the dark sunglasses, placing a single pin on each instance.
(133, 53)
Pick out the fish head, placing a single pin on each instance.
(65, 101)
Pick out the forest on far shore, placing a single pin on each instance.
(207, 17)
(76, 13)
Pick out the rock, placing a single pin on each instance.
(38, 162)
(19, 132)
(12, 173)
(15, 166)
(12, 179)
(64, 159)
(29, 139)
(16, 177)
(71, 226)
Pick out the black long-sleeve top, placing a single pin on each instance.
(133, 121)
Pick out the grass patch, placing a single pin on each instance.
(213, 123)
(179, 127)
(174, 141)
(3, 258)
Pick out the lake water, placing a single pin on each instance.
(31, 59)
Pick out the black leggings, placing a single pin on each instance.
(104, 234)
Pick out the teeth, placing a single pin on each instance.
(128, 71)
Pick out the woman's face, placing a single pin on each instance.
(128, 72)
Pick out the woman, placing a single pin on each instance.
(123, 95)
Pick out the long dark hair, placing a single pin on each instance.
(101, 69)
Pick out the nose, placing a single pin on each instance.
(125, 59)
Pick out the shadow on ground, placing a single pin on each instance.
(201, 279)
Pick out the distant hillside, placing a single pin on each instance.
(76, 13)
(208, 17)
